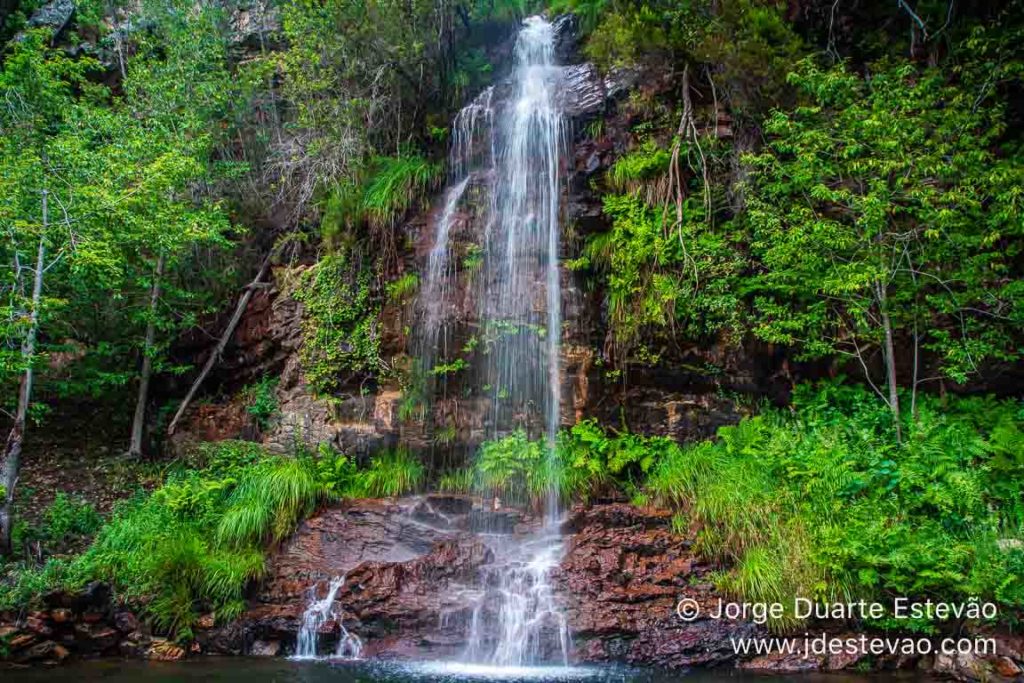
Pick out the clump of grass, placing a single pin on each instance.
(403, 288)
(268, 501)
(395, 184)
(391, 473)
(461, 480)
(194, 544)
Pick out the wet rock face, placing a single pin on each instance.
(409, 566)
(623, 574)
(403, 563)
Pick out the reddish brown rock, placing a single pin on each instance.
(623, 574)
(62, 615)
(260, 648)
(1006, 668)
(38, 626)
(780, 662)
(165, 651)
(21, 641)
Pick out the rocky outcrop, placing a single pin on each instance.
(623, 575)
(409, 568)
(411, 573)
(86, 623)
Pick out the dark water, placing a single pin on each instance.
(248, 670)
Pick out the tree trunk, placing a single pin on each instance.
(243, 302)
(11, 462)
(139, 421)
(890, 357)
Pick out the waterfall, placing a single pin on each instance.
(317, 613)
(509, 144)
(516, 620)
(523, 292)
(470, 131)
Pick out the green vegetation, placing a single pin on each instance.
(193, 545)
(838, 182)
(822, 502)
(402, 289)
(391, 473)
(397, 183)
(67, 521)
(340, 342)
(262, 401)
(586, 461)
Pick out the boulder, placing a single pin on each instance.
(54, 15)
(164, 650)
(1005, 667)
(265, 648)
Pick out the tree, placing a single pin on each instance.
(177, 88)
(881, 209)
(39, 161)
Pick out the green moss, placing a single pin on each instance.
(339, 324)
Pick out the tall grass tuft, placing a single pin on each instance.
(268, 501)
(391, 473)
(395, 185)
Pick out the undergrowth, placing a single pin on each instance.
(193, 545)
(823, 502)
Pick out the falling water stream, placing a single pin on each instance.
(317, 613)
(514, 146)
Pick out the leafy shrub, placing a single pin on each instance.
(587, 459)
(223, 459)
(825, 503)
(262, 401)
(339, 326)
(67, 523)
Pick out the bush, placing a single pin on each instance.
(262, 401)
(587, 460)
(194, 544)
(66, 521)
(339, 323)
(824, 503)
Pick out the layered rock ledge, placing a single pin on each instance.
(411, 568)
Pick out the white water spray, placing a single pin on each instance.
(517, 620)
(316, 615)
(515, 144)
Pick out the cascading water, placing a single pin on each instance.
(470, 151)
(522, 312)
(516, 145)
(507, 143)
(316, 615)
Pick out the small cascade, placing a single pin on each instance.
(470, 150)
(435, 292)
(318, 613)
(516, 620)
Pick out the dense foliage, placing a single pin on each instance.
(193, 545)
(824, 503)
(842, 182)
